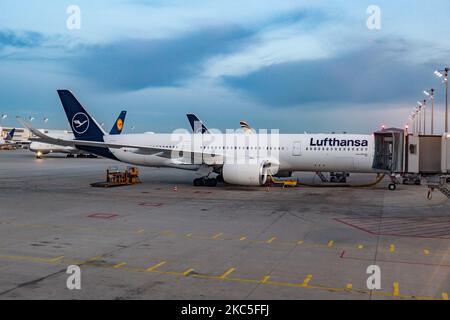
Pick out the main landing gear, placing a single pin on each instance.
(207, 181)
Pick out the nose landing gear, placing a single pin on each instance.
(394, 181)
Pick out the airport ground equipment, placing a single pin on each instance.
(407, 157)
(411, 179)
(335, 177)
(116, 177)
(380, 177)
(282, 182)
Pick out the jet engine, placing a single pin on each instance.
(249, 174)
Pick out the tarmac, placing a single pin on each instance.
(166, 239)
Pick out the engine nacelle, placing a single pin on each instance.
(254, 174)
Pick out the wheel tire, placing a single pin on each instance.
(199, 182)
(219, 178)
(392, 186)
(417, 182)
(211, 182)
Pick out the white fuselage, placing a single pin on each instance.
(293, 152)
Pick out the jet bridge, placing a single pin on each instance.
(389, 150)
(401, 155)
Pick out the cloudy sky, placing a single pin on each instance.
(294, 65)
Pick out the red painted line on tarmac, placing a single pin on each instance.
(150, 204)
(355, 226)
(103, 215)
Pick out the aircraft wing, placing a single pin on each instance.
(140, 149)
(73, 143)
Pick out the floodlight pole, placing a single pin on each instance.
(417, 123)
(432, 111)
(420, 120)
(416, 128)
(424, 116)
(446, 70)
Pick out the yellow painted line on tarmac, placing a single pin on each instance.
(265, 280)
(56, 260)
(227, 273)
(360, 246)
(189, 235)
(307, 280)
(187, 272)
(32, 259)
(140, 231)
(271, 240)
(117, 266)
(349, 286)
(241, 280)
(217, 236)
(330, 243)
(426, 252)
(94, 259)
(395, 289)
(300, 242)
(242, 238)
(156, 266)
(391, 248)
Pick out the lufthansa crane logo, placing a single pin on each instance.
(80, 123)
(119, 124)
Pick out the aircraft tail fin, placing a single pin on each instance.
(118, 125)
(10, 135)
(246, 127)
(196, 124)
(84, 127)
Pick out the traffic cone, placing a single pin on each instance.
(175, 188)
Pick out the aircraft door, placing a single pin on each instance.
(297, 149)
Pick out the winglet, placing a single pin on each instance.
(44, 138)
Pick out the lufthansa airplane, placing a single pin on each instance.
(241, 159)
